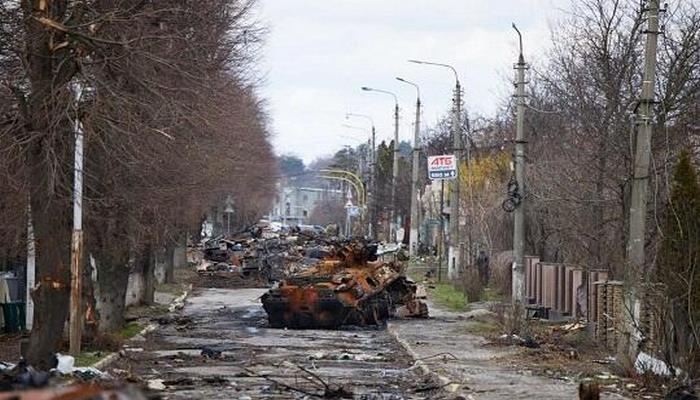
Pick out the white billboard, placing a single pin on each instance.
(442, 167)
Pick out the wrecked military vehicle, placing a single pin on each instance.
(349, 286)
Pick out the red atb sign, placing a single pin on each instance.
(442, 167)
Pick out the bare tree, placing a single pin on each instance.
(171, 122)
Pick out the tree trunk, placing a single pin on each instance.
(147, 266)
(169, 263)
(49, 156)
(90, 314)
(51, 298)
(108, 240)
(112, 279)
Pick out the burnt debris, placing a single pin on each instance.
(352, 285)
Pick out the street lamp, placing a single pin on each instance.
(454, 245)
(372, 167)
(438, 65)
(374, 137)
(366, 162)
(395, 175)
(228, 210)
(413, 237)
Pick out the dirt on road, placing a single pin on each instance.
(477, 369)
(220, 347)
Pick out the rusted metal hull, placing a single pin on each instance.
(345, 289)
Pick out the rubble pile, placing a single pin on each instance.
(349, 286)
(65, 381)
(263, 255)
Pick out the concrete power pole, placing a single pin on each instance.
(76, 320)
(415, 219)
(31, 270)
(454, 250)
(373, 184)
(395, 177)
(518, 294)
(455, 243)
(642, 155)
(372, 175)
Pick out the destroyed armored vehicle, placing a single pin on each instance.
(350, 286)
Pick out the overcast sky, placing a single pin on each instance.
(320, 53)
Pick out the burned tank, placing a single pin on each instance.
(350, 286)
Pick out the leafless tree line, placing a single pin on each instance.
(579, 126)
(172, 126)
(580, 120)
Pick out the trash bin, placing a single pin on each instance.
(14, 315)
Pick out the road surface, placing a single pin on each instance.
(244, 359)
(257, 362)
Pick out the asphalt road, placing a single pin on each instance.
(257, 362)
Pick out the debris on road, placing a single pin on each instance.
(156, 384)
(76, 392)
(648, 363)
(65, 381)
(259, 362)
(259, 256)
(65, 364)
(209, 352)
(350, 286)
(22, 376)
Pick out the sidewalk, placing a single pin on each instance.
(445, 347)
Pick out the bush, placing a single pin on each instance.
(511, 319)
(471, 285)
(678, 269)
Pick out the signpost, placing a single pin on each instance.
(354, 211)
(442, 167)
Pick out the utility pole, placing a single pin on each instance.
(76, 320)
(454, 242)
(518, 294)
(31, 270)
(368, 179)
(415, 219)
(373, 184)
(395, 175)
(395, 171)
(640, 182)
(441, 236)
(455, 246)
(372, 175)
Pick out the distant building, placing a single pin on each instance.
(293, 205)
(432, 215)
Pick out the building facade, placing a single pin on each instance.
(294, 205)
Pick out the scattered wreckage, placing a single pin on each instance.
(21, 381)
(350, 286)
(261, 255)
(319, 281)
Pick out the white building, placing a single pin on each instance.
(293, 205)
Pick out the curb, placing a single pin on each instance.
(177, 304)
(179, 301)
(443, 381)
(417, 361)
(108, 359)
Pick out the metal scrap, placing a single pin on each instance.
(350, 286)
(262, 254)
